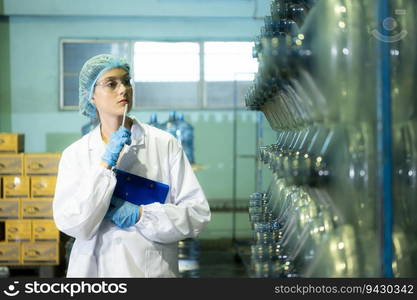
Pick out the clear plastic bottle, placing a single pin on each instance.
(4, 272)
(170, 126)
(153, 121)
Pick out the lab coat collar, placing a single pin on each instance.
(138, 136)
(138, 132)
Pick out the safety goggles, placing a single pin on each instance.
(112, 84)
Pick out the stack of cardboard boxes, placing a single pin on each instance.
(28, 235)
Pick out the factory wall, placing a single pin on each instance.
(5, 104)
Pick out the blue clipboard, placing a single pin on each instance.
(139, 190)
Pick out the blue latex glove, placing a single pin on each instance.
(122, 213)
(117, 140)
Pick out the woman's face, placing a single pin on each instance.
(112, 92)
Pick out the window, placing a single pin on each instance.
(166, 62)
(229, 61)
(168, 75)
(228, 72)
(73, 56)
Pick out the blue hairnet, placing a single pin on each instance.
(90, 72)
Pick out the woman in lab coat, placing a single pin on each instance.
(124, 240)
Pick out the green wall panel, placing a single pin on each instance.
(5, 94)
(58, 141)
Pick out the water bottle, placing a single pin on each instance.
(188, 258)
(4, 272)
(170, 126)
(153, 121)
(185, 134)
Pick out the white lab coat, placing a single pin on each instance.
(83, 192)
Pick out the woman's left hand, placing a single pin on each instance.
(122, 213)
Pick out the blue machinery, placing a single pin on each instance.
(336, 81)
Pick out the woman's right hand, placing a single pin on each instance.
(117, 140)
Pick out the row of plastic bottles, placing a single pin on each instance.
(404, 117)
(280, 52)
(298, 231)
(181, 129)
(266, 256)
(319, 213)
(311, 55)
(316, 85)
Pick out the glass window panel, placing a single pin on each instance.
(166, 95)
(74, 55)
(226, 94)
(166, 62)
(229, 61)
(71, 91)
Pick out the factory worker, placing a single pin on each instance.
(113, 237)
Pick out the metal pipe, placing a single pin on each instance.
(384, 136)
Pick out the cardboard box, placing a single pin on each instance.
(41, 163)
(9, 253)
(44, 231)
(12, 142)
(42, 186)
(16, 187)
(36, 208)
(40, 253)
(11, 164)
(18, 230)
(9, 208)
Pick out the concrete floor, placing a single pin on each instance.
(221, 264)
(217, 259)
